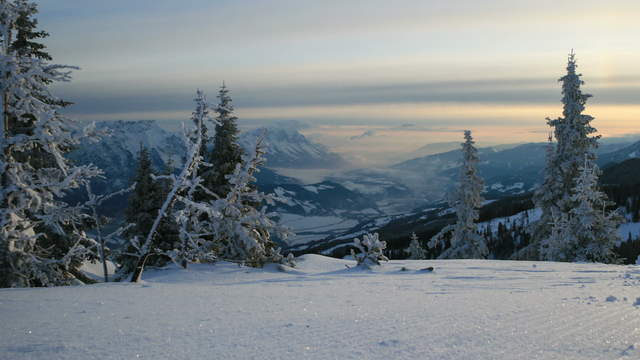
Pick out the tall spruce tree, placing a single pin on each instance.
(226, 153)
(465, 240)
(573, 135)
(574, 151)
(41, 243)
(143, 202)
(573, 130)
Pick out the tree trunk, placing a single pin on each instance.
(104, 260)
(137, 272)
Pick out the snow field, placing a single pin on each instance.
(465, 309)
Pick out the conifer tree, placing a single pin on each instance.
(233, 227)
(572, 132)
(186, 181)
(574, 144)
(465, 240)
(226, 153)
(143, 203)
(588, 232)
(416, 252)
(26, 34)
(142, 210)
(41, 243)
(574, 152)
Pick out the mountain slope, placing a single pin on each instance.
(628, 152)
(117, 154)
(288, 148)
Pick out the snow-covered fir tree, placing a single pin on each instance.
(572, 131)
(144, 203)
(226, 153)
(465, 241)
(187, 178)
(41, 240)
(416, 252)
(143, 246)
(370, 250)
(574, 152)
(239, 230)
(588, 232)
(573, 137)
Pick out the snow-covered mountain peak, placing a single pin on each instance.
(130, 135)
(288, 148)
(116, 154)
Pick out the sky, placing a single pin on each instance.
(370, 79)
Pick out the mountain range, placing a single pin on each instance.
(346, 202)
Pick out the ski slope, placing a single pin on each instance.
(465, 309)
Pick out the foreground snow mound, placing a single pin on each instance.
(464, 309)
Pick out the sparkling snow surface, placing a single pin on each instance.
(465, 309)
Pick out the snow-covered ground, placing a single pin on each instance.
(465, 309)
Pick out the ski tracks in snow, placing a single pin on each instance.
(465, 309)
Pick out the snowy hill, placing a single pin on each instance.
(288, 148)
(465, 309)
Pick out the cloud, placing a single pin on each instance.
(368, 133)
(165, 97)
(291, 124)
